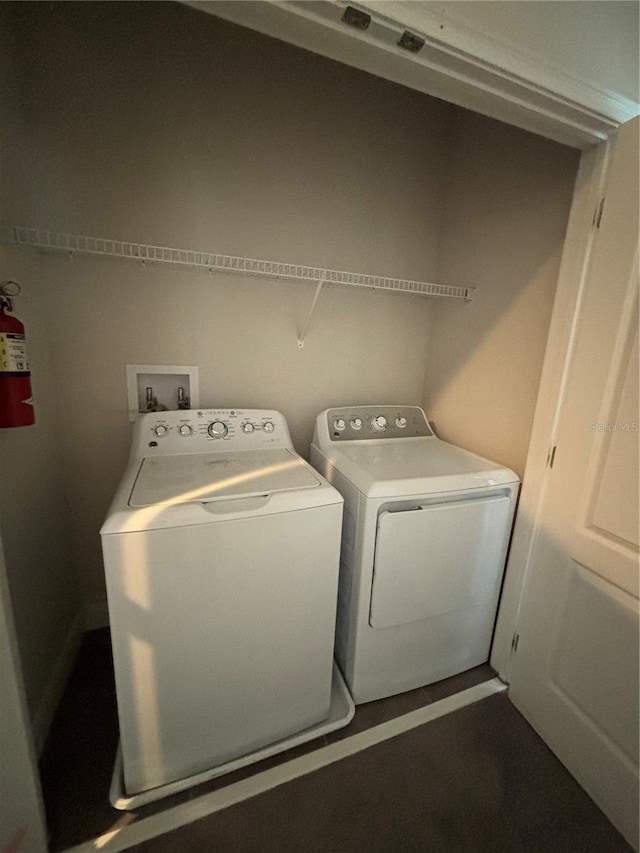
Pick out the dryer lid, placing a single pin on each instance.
(202, 477)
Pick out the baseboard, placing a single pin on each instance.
(56, 683)
(96, 615)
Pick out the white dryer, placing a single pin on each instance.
(221, 554)
(425, 535)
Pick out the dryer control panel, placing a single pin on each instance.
(204, 430)
(354, 423)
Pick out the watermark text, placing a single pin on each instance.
(623, 426)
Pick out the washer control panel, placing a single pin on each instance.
(367, 422)
(206, 430)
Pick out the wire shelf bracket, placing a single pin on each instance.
(305, 327)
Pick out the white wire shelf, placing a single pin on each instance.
(214, 262)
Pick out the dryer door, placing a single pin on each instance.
(439, 558)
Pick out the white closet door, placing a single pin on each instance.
(438, 559)
(575, 670)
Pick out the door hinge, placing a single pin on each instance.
(514, 642)
(552, 455)
(597, 214)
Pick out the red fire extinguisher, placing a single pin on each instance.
(16, 403)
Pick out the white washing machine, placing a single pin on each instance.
(425, 535)
(221, 554)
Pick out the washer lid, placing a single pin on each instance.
(212, 476)
(415, 466)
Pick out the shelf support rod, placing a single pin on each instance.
(305, 327)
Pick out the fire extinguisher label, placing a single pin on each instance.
(13, 353)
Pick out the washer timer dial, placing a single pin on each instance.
(379, 423)
(217, 429)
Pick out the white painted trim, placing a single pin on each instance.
(590, 184)
(511, 59)
(96, 615)
(450, 67)
(56, 683)
(123, 836)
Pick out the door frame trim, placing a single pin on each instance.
(457, 64)
(572, 278)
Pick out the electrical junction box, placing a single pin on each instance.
(161, 388)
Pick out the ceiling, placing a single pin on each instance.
(551, 70)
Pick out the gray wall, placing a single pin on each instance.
(157, 123)
(34, 522)
(154, 123)
(34, 519)
(505, 218)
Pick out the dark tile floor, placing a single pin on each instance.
(479, 779)
(476, 780)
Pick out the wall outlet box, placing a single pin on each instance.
(161, 387)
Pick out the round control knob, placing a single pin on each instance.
(379, 423)
(356, 423)
(185, 429)
(401, 422)
(217, 429)
(339, 424)
(248, 427)
(160, 430)
(268, 426)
